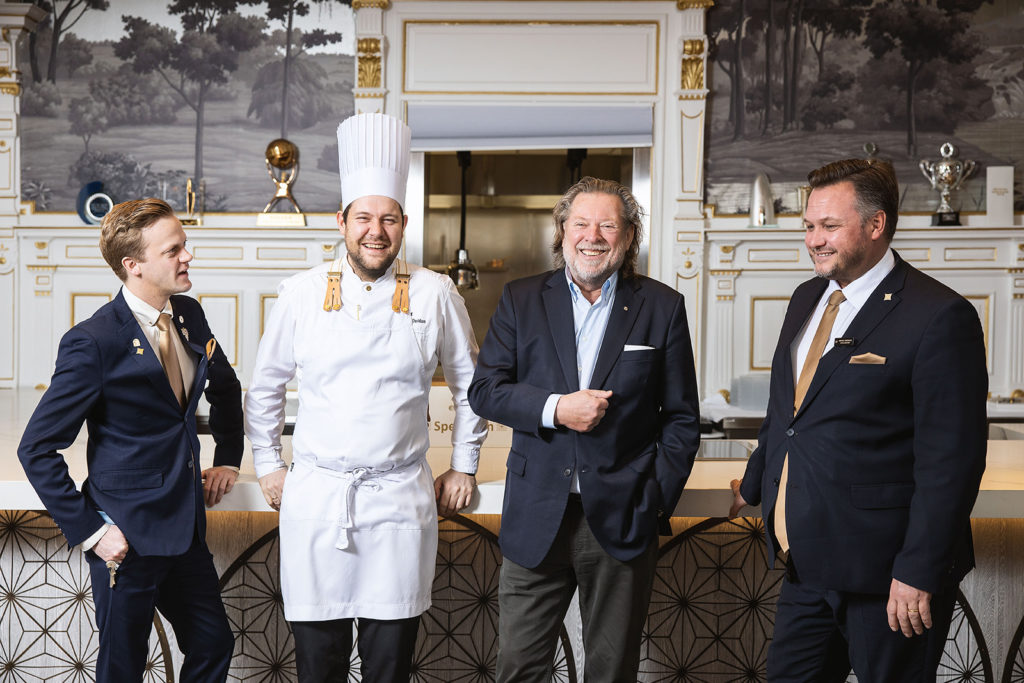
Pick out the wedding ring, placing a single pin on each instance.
(914, 611)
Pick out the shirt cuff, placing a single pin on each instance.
(465, 458)
(267, 460)
(547, 417)
(229, 467)
(90, 542)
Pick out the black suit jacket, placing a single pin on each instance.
(143, 451)
(633, 466)
(885, 459)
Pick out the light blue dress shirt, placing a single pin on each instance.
(590, 321)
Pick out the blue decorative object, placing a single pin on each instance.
(93, 203)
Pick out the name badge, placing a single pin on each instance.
(845, 341)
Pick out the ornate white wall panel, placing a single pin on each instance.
(564, 57)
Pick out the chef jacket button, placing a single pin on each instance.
(790, 432)
(368, 288)
(567, 471)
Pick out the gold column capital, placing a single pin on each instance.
(371, 4)
(686, 4)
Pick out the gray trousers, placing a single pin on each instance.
(614, 597)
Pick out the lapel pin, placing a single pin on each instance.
(181, 319)
(625, 308)
(211, 346)
(184, 333)
(136, 343)
(138, 352)
(888, 296)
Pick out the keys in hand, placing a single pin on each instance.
(112, 566)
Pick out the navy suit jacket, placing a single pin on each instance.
(885, 459)
(633, 466)
(143, 451)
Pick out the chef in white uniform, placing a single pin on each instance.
(358, 503)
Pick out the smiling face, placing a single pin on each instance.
(842, 245)
(163, 270)
(595, 241)
(373, 235)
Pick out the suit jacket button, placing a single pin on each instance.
(790, 432)
(775, 481)
(190, 464)
(567, 471)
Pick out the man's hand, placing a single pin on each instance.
(216, 482)
(738, 502)
(272, 485)
(909, 609)
(112, 546)
(453, 491)
(582, 410)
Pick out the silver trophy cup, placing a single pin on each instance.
(946, 175)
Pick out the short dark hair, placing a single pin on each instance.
(874, 182)
(632, 216)
(121, 231)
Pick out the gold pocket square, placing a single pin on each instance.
(867, 359)
(211, 346)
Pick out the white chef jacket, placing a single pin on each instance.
(358, 522)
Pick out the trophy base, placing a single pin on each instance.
(281, 220)
(946, 218)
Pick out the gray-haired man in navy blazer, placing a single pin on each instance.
(591, 365)
(870, 458)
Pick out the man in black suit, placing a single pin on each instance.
(134, 373)
(591, 365)
(870, 458)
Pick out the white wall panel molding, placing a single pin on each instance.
(565, 57)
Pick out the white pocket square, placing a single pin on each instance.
(637, 347)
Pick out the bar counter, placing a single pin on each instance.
(710, 615)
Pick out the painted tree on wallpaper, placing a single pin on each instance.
(185, 88)
(798, 83)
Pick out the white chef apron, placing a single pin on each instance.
(359, 529)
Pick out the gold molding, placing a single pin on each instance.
(370, 4)
(692, 73)
(10, 89)
(726, 273)
(693, 46)
(368, 45)
(47, 267)
(263, 310)
(75, 295)
(725, 297)
(532, 22)
(693, 4)
(238, 315)
(369, 72)
(950, 254)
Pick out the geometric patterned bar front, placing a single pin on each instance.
(710, 618)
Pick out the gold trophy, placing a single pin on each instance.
(190, 204)
(283, 167)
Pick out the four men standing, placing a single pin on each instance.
(867, 467)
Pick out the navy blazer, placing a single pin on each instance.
(885, 459)
(143, 451)
(633, 466)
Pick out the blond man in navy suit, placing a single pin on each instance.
(140, 516)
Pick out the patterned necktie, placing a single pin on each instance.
(821, 336)
(169, 358)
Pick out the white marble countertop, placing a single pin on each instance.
(707, 492)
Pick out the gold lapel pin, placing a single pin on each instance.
(136, 343)
(625, 308)
(138, 352)
(888, 296)
(181, 319)
(184, 333)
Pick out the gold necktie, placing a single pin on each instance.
(821, 337)
(169, 358)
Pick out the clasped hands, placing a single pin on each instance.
(453, 490)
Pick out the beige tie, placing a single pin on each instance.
(169, 358)
(821, 337)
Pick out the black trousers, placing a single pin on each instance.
(185, 589)
(323, 649)
(614, 597)
(820, 635)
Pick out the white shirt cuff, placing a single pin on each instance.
(547, 417)
(267, 460)
(88, 543)
(465, 458)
